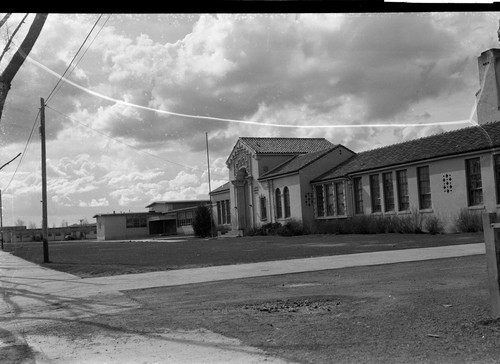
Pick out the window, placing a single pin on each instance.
(474, 183)
(388, 191)
(358, 195)
(136, 222)
(402, 186)
(424, 187)
(228, 211)
(339, 198)
(185, 218)
(320, 207)
(375, 192)
(263, 208)
(286, 198)
(223, 212)
(330, 207)
(279, 213)
(219, 213)
(496, 162)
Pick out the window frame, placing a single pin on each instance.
(286, 202)
(388, 188)
(358, 195)
(474, 193)
(424, 188)
(279, 208)
(375, 193)
(402, 190)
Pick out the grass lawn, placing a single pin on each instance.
(102, 258)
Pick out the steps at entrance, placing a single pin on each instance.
(232, 234)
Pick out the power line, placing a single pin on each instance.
(76, 54)
(122, 142)
(24, 151)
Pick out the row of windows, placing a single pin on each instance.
(281, 200)
(223, 212)
(185, 218)
(333, 204)
(136, 222)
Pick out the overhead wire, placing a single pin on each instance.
(74, 57)
(122, 142)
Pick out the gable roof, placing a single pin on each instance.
(296, 163)
(223, 188)
(268, 145)
(470, 139)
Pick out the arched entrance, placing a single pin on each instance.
(241, 194)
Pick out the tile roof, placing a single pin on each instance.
(262, 145)
(224, 187)
(450, 143)
(296, 163)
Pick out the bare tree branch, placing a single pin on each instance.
(10, 161)
(17, 60)
(4, 19)
(9, 42)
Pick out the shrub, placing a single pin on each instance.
(202, 223)
(291, 228)
(469, 221)
(433, 225)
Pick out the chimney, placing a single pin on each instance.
(488, 96)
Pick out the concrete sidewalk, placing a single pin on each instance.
(27, 276)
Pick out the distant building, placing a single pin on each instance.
(163, 218)
(13, 234)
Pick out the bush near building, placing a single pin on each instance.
(203, 224)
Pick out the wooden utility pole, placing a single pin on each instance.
(491, 230)
(44, 184)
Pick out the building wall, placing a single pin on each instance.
(221, 197)
(489, 80)
(448, 184)
(111, 227)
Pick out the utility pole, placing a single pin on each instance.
(44, 184)
(209, 190)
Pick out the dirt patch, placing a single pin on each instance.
(425, 312)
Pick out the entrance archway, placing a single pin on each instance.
(241, 193)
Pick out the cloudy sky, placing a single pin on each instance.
(129, 125)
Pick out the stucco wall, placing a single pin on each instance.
(446, 202)
(115, 227)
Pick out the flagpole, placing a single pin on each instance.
(209, 189)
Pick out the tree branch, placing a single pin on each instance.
(6, 48)
(4, 19)
(10, 161)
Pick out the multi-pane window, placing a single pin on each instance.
(286, 201)
(358, 195)
(402, 185)
(496, 161)
(474, 183)
(320, 207)
(219, 213)
(223, 212)
(339, 197)
(330, 203)
(388, 191)
(375, 193)
(228, 211)
(424, 187)
(279, 213)
(263, 208)
(185, 218)
(136, 222)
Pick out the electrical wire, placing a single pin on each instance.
(26, 146)
(70, 63)
(122, 142)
